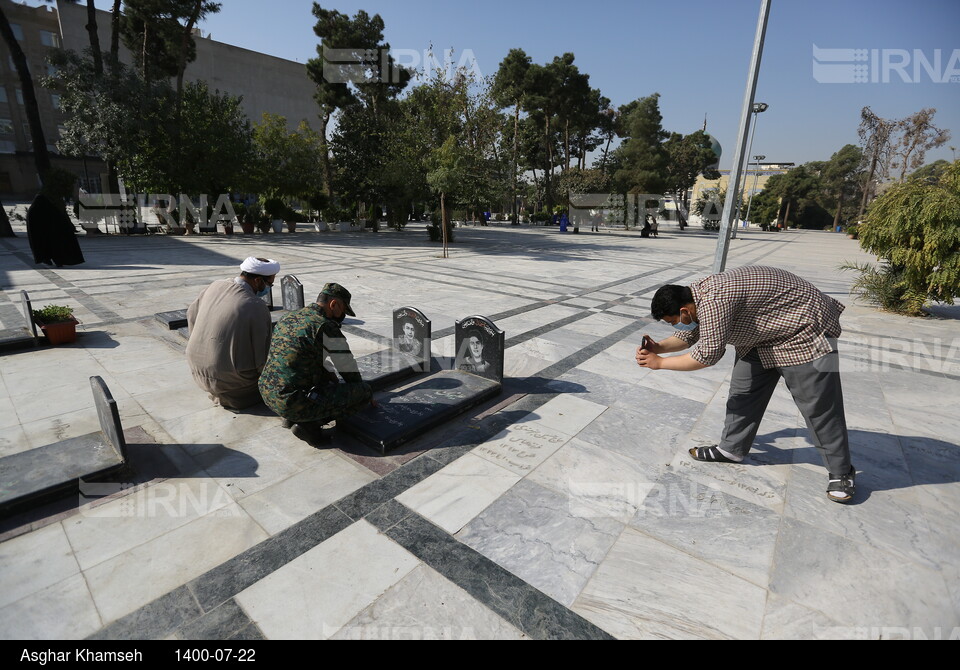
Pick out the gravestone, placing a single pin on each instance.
(408, 354)
(291, 291)
(24, 335)
(408, 412)
(33, 477)
(172, 320)
(479, 347)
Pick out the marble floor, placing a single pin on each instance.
(565, 508)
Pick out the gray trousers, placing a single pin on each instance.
(815, 387)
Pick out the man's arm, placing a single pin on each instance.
(684, 363)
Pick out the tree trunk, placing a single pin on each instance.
(41, 156)
(94, 37)
(515, 216)
(866, 186)
(836, 217)
(325, 155)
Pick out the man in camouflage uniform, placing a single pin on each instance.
(295, 382)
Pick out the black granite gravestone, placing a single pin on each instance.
(291, 291)
(32, 477)
(172, 320)
(404, 414)
(408, 355)
(24, 335)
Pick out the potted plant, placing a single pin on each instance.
(57, 323)
(291, 217)
(274, 209)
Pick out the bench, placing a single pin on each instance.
(408, 412)
(33, 477)
(22, 336)
(408, 355)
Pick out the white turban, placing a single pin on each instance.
(255, 266)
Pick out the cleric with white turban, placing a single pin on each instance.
(230, 331)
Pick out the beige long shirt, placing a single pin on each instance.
(229, 331)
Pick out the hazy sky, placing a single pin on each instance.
(695, 53)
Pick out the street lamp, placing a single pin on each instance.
(758, 108)
(756, 178)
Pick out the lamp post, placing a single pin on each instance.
(756, 178)
(758, 108)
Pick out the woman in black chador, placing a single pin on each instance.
(52, 237)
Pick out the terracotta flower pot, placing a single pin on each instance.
(62, 332)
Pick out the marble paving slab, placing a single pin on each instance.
(426, 606)
(598, 481)
(101, 532)
(533, 532)
(725, 531)
(813, 567)
(455, 495)
(30, 563)
(313, 596)
(172, 559)
(566, 413)
(522, 447)
(284, 503)
(61, 611)
(646, 589)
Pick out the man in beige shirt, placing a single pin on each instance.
(230, 331)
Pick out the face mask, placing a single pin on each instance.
(680, 325)
(265, 291)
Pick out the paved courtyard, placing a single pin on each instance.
(565, 508)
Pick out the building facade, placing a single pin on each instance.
(266, 84)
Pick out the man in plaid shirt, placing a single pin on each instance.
(781, 326)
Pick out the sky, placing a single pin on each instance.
(694, 53)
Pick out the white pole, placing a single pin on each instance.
(733, 186)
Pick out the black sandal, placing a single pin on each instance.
(709, 455)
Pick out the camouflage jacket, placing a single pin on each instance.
(300, 343)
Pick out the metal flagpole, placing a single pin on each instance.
(733, 186)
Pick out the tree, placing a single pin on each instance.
(842, 177)
(159, 34)
(689, 156)
(642, 158)
(361, 69)
(285, 165)
(914, 228)
(875, 136)
(508, 89)
(917, 136)
(931, 172)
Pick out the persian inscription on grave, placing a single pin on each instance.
(522, 448)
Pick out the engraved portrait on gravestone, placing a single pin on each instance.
(472, 359)
(408, 342)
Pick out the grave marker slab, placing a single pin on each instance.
(408, 355)
(24, 335)
(33, 477)
(404, 414)
(172, 320)
(291, 291)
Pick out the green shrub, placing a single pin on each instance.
(53, 314)
(887, 288)
(914, 229)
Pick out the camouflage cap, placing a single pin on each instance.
(342, 294)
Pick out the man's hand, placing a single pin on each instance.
(374, 404)
(648, 359)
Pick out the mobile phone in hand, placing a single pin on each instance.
(647, 342)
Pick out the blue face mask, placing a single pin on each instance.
(680, 325)
(266, 290)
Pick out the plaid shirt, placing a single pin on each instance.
(785, 318)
